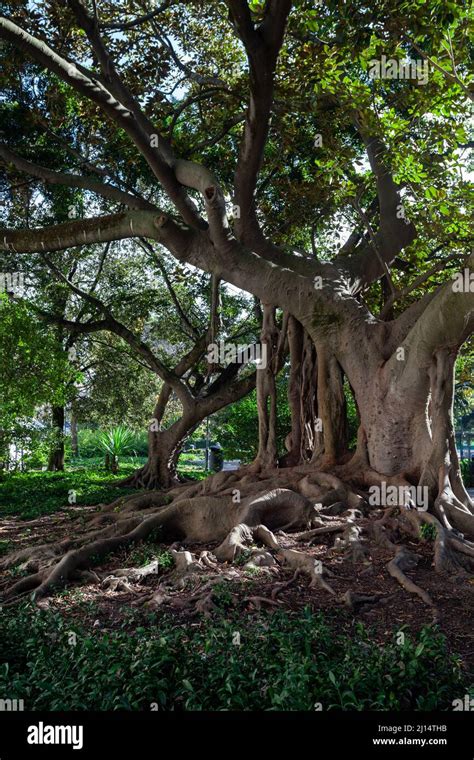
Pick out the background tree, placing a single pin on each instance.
(34, 371)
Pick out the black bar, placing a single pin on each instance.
(131, 735)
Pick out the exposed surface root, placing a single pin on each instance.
(358, 602)
(352, 542)
(305, 563)
(403, 561)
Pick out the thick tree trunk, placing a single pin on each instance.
(406, 433)
(163, 449)
(56, 455)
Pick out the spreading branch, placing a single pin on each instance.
(73, 180)
(262, 47)
(125, 116)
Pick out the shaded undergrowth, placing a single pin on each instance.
(279, 661)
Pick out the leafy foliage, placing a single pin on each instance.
(33, 369)
(115, 443)
(284, 662)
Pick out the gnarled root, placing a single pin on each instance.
(406, 560)
(305, 563)
(240, 537)
(242, 523)
(351, 542)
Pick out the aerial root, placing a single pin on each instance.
(454, 514)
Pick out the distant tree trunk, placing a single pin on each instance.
(74, 438)
(3, 451)
(164, 448)
(165, 445)
(56, 455)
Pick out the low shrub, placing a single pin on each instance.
(282, 661)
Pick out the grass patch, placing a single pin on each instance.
(143, 554)
(32, 494)
(285, 661)
(428, 532)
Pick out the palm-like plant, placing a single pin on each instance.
(115, 443)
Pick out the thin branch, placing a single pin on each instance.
(401, 293)
(184, 319)
(123, 26)
(73, 180)
(448, 74)
(128, 336)
(91, 87)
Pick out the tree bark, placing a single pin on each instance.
(332, 407)
(392, 394)
(294, 440)
(266, 393)
(305, 441)
(164, 448)
(56, 455)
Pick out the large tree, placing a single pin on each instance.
(276, 106)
